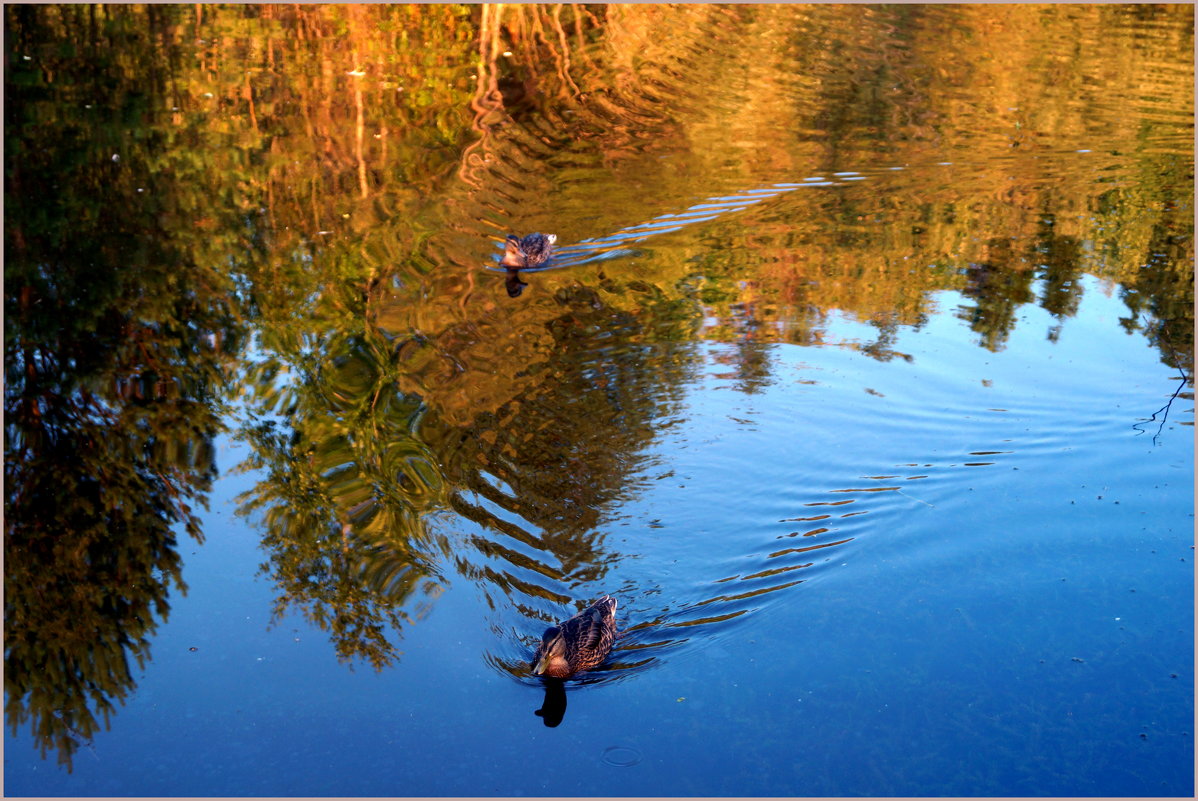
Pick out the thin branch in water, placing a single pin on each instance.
(917, 500)
(1165, 409)
(1164, 340)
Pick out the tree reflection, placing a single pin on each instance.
(346, 484)
(120, 334)
(334, 176)
(354, 464)
(553, 451)
(998, 287)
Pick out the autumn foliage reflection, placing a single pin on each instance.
(335, 180)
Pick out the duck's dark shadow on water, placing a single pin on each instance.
(553, 708)
(513, 284)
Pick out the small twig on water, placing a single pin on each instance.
(1184, 380)
(917, 500)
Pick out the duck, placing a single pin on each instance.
(531, 251)
(577, 644)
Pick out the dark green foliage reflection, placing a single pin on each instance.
(120, 337)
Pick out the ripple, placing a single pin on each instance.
(621, 756)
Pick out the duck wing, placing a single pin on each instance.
(579, 631)
(593, 628)
(592, 636)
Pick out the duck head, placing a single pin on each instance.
(550, 659)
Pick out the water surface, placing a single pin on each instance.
(862, 378)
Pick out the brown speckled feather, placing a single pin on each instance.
(531, 251)
(580, 643)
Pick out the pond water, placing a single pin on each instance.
(862, 377)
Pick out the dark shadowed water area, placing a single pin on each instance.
(861, 377)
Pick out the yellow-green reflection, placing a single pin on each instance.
(345, 486)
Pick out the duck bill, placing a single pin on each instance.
(541, 666)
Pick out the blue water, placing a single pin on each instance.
(1003, 603)
(862, 378)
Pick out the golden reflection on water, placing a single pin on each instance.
(299, 206)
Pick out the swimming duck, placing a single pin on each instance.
(531, 251)
(577, 644)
